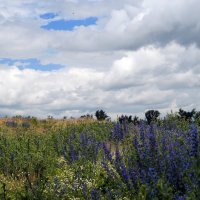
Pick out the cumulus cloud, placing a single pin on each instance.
(122, 25)
(49, 91)
(149, 77)
(140, 55)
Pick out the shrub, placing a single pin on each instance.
(25, 125)
(11, 124)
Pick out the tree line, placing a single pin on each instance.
(150, 115)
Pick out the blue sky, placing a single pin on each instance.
(48, 15)
(30, 63)
(69, 25)
(82, 55)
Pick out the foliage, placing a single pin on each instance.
(128, 119)
(187, 115)
(87, 116)
(125, 119)
(101, 115)
(11, 124)
(100, 160)
(152, 115)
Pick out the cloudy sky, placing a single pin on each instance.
(72, 57)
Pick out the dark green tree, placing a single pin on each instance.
(87, 116)
(197, 115)
(136, 120)
(187, 115)
(128, 119)
(101, 115)
(152, 115)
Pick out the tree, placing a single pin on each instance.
(87, 116)
(136, 120)
(128, 119)
(187, 115)
(152, 115)
(125, 118)
(197, 115)
(101, 115)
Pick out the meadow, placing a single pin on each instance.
(90, 159)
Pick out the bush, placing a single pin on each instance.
(25, 125)
(12, 124)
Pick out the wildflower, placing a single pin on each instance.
(95, 194)
(107, 152)
(117, 155)
(194, 140)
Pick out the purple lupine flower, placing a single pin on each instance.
(125, 174)
(95, 194)
(96, 150)
(142, 133)
(73, 153)
(153, 174)
(137, 152)
(84, 190)
(72, 136)
(119, 131)
(83, 139)
(107, 152)
(143, 176)
(153, 146)
(152, 139)
(115, 132)
(164, 146)
(194, 140)
(117, 155)
(135, 142)
(109, 172)
(88, 147)
(125, 128)
(133, 177)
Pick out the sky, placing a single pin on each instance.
(73, 57)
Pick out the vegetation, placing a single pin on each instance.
(152, 115)
(101, 115)
(91, 159)
(187, 115)
(128, 119)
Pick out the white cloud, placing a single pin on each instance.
(142, 79)
(140, 55)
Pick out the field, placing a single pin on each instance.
(88, 159)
